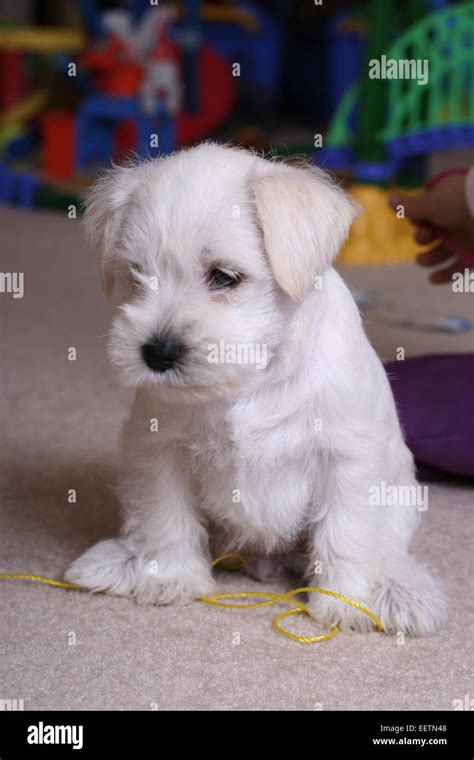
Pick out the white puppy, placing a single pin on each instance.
(261, 408)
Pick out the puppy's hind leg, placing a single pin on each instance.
(265, 569)
(268, 569)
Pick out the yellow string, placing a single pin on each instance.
(40, 578)
(298, 608)
(230, 555)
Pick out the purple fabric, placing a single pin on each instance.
(435, 400)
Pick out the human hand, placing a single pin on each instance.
(443, 206)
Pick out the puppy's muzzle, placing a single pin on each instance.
(160, 355)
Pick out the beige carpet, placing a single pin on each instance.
(60, 419)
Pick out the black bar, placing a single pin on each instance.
(146, 734)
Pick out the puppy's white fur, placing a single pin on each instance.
(239, 447)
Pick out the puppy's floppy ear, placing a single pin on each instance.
(305, 218)
(104, 209)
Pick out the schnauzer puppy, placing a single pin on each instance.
(261, 414)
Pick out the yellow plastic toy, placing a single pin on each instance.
(378, 236)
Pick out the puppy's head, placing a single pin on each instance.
(216, 248)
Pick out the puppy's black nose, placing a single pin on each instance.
(160, 355)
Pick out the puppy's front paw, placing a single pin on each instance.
(172, 585)
(410, 601)
(110, 566)
(106, 566)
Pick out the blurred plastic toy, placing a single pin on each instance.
(346, 36)
(17, 106)
(400, 117)
(25, 190)
(439, 114)
(139, 98)
(252, 37)
(59, 139)
(161, 84)
(445, 324)
(377, 236)
(116, 74)
(17, 187)
(144, 79)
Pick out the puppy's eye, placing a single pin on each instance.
(220, 279)
(138, 275)
(135, 270)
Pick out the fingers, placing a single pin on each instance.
(424, 234)
(416, 207)
(417, 210)
(434, 257)
(440, 255)
(446, 275)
